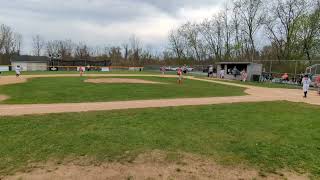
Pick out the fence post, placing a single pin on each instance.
(270, 70)
(295, 71)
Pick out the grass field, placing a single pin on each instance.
(287, 138)
(74, 89)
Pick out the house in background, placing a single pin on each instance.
(30, 63)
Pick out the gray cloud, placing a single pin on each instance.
(101, 21)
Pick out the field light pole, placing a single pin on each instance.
(53, 57)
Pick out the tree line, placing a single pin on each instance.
(10, 43)
(284, 29)
(244, 30)
(131, 52)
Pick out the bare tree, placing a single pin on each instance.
(283, 23)
(17, 43)
(236, 25)
(211, 32)
(38, 44)
(82, 51)
(115, 54)
(64, 49)
(10, 43)
(252, 17)
(176, 44)
(7, 39)
(227, 32)
(190, 33)
(309, 31)
(52, 48)
(136, 48)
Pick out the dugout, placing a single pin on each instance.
(253, 70)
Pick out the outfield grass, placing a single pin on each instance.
(269, 136)
(74, 89)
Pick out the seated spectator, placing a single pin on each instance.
(285, 77)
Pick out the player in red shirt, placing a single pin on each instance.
(179, 73)
(81, 70)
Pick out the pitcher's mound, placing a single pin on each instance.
(3, 97)
(121, 80)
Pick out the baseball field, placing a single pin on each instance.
(147, 126)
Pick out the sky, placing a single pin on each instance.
(103, 22)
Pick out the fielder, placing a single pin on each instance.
(81, 70)
(306, 84)
(179, 73)
(18, 71)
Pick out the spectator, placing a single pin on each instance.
(163, 70)
(285, 77)
(210, 71)
(184, 69)
(222, 73)
(318, 84)
(235, 72)
(244, 75)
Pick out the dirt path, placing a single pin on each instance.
(152, 165)
(256, 94)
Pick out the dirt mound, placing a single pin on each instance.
(121, 80)
(3, 97)
(153, 165)
(5, 80)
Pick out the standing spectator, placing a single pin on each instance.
(318, 83)
(285, 77)
(184, 69)
(234, 72)
(163, 70)
(306, 84)
(210, 71)
(244, 75)
(300, 79)
(222, 73)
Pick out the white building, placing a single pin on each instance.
(30, 63)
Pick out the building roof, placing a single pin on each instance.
(26, 58)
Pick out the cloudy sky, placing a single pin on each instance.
(102, 22)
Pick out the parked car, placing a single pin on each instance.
(206, 69)
(190, 69)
